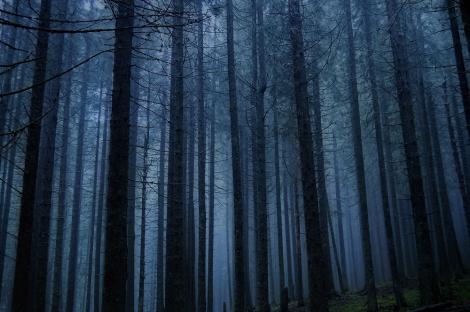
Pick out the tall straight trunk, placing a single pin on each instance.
(455, 154)
(318, 295)
(429, 161)
(459, 59)
(100, 212)
(115, 258)
(239, 304)
(359, 164)
(262, 208)
(161, 206)
(278, 190)
(94, 204)
(298, 250)
(7, 200)
(391, 249)
(339, 216)
(77, 194)
(465, 12)
(210, 254)
(229, 269)
(175, 279)
(201, 148)
(290, 274)
(57, 289)
(453, 251)
(143, 217)
(428, 284)
(132, 189)
(28, 196)
(394, 205)
(6, 86)
(321, 180)
(188, 159)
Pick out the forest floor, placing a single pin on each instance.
(456, 297)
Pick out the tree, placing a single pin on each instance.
(359, 164)
(28, 197)
(428, 285)
(317, 291)
(115, 258)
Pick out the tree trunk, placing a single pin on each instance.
(210, 256)
(161, 207)
(115, 258)
(277, 174)
(428, 285)
(57, 288)
(201, 139)
(318, 296)
(459, 59)
(239, 305)
(94, 204)
(77, 193)
(287, 223)
(175, 279)
(25, 235)
(298, 250)
(465, 12)
(143, 219)
(462, 187)
(359, 165)
(455, 259)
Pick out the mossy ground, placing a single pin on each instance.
(457, 292)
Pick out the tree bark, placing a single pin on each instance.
(239, 304)
(318, 297)
(428, 285)
(210, 256)
(459, 59)
(28, 197)
(359, 165)
(116, 252)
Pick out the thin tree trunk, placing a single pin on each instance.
(359, 165)
(116, 252)
(201, 139)
(210, 256)
(94, 204)
(161, 207)
(239, 304)
(278, 190)
(143, 217)
(343, 282)
(465, 12)
(455, 258)
(290, 274)
(57, 289)
(77, 194)
(318, 296)
(175, 279)
(25, 235)
(99, 216)
(428, 285)
(298, 250)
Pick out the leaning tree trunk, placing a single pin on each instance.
(359, 165)
(28, 196)
(239, 305)
(115, 258)
(459, 59)
(428, 284)
(318, 295)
